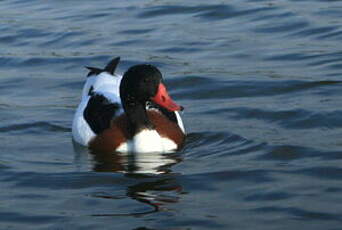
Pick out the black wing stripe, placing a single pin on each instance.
(99, 113)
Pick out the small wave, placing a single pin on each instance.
(57, 181)
(174, 10)
(207, 12)
(254, 175)
(268, 196)
(315, 31)
(35, 127)
(212, 141)
(330, 60)
(300, 213)
(237, 89)
(137, 31)
(333, 35)
(225, 12)
(321, 172)
(28, 218)
(282, 27)
(291, 119)
(288, 153)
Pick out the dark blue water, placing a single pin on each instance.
(261, 84)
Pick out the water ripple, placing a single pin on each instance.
(300, 213)
(232, 89)
(292, 119)
(35, 127)
(282, 27)
(175, 10)
(322, 172)
(261, 83)
(269, 196)
(260, 176)
(315, 31)
(288, 153)
(225, 12)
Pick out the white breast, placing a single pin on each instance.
(148, 141)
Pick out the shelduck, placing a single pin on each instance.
(129, 113)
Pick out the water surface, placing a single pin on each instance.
(261, 84)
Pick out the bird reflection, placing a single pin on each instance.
(154, 182)
(148, 163)
(156, 193)
(129, 163)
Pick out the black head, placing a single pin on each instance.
(139, 84)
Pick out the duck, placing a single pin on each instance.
(126, 113)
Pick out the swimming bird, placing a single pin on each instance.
(129, 113)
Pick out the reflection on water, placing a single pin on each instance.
(130, 163)
(155, 192)
(156, 185)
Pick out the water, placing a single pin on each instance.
(261, 84)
